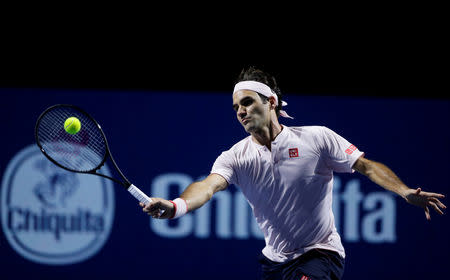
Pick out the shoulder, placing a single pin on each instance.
(314, 136)
(305, 131)
(241, 145)
(238, 148)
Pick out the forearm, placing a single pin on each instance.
(196, 195)
(383, 176)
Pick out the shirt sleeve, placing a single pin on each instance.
(340, 155)
(224, 166)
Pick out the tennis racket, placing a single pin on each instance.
(83, 152)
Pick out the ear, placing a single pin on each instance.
(272, 102)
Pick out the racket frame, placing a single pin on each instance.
(125, 183)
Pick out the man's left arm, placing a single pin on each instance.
(385, 177)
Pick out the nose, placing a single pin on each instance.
(242, 112)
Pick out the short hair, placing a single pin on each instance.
(254, 74)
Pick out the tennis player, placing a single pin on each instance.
(286, 174)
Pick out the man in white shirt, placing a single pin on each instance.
(286, 174)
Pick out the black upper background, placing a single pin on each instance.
(405, 60)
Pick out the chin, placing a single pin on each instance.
(250, 128)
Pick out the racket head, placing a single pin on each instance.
(83, 152)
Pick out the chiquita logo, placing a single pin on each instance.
(53, 216)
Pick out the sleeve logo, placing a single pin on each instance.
(350, 149)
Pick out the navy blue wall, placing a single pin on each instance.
(164, 140)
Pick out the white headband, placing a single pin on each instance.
(262, 89)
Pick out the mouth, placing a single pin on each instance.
(245, 120)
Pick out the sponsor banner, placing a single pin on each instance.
(53, 216)
(58, 225)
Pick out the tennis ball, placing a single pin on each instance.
(72, 125)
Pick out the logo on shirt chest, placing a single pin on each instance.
(293, 152)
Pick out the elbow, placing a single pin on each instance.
(365, 167)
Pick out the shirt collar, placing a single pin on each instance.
(282, 135)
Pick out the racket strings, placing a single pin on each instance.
(83, 151)
(57, 145)
(73, 150)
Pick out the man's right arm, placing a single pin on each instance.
(198, 193)
(195, 195)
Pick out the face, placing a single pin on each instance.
(251, 112)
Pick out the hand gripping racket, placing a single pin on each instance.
(83, 152)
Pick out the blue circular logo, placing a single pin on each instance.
(53, 216)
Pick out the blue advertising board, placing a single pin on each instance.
(57, 224)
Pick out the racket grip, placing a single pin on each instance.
(138, 194)
(141, 196)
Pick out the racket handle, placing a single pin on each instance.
(139, 195)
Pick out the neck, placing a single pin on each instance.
(267, 134)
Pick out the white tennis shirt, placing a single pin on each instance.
(290, 187)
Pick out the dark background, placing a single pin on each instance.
(394, 53)
(319, 74)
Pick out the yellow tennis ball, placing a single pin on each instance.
(72, 125)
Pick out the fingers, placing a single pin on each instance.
(427, 213)
(153, 209)
(435, 207)
(426, 200)
(438, 202)
(437, 195)
(149, 207)
(157, 209)
(433, 201)
(429, 194)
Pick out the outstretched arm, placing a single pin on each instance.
(385, 177)
(195, 195)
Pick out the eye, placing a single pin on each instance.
(235, 108)
(247, 102)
